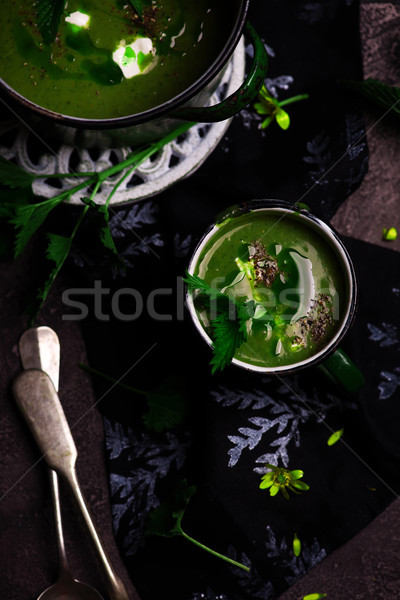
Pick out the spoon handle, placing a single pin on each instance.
(55, 492)
(115, 587)
(39, 403)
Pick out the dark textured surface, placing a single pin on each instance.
(28, 552)
(366, 567)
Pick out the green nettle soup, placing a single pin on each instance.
(106, 62)
(288, 273)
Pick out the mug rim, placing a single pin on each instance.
(336, 245)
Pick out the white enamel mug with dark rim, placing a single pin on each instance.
(331, 359)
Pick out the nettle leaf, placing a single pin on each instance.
(228, 335)
(377, 92)
(167, 405)
(13, 176)
(48, 16)
(28, 218)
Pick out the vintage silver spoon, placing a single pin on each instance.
(37, 398)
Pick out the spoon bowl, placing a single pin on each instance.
(68, 588)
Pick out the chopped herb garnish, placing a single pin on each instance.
(140, 6)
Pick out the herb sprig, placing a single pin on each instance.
(229, 326)
(166, 520)
(28, 213)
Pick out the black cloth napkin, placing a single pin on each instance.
(235, 422)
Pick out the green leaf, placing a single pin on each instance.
(29, 217)
(229, 330)
(296, 474)
(166, 520)
(229, 333)
(13, 176)
(48, 16)
(335, 437)
(57, 251)
(167, 405)
(194, 282)
(314, 596)
(377, 92)
(296, 545)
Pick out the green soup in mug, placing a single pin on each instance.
(292, 275)
(105, 61)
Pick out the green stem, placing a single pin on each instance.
(57, 175)
(294, 99)
(111, 379)
(147, 152)
(213, 552)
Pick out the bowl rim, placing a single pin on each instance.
(153, 113)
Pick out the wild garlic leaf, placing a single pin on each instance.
(48, 16)
(377, 92)
(28, 218)
(13, 176)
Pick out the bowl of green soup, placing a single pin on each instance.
(100, 66)
(273, 290)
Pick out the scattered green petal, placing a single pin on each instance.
(265, 484)
(300, 485)
(296, 545)
(282, 118)
(389, 234)
(285, 493)
(266, 122)
(296, 474)
(261, 108)
(335, 437)
(274, 490)
(314, 596)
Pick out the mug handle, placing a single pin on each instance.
(239, 99)
(341, 370)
